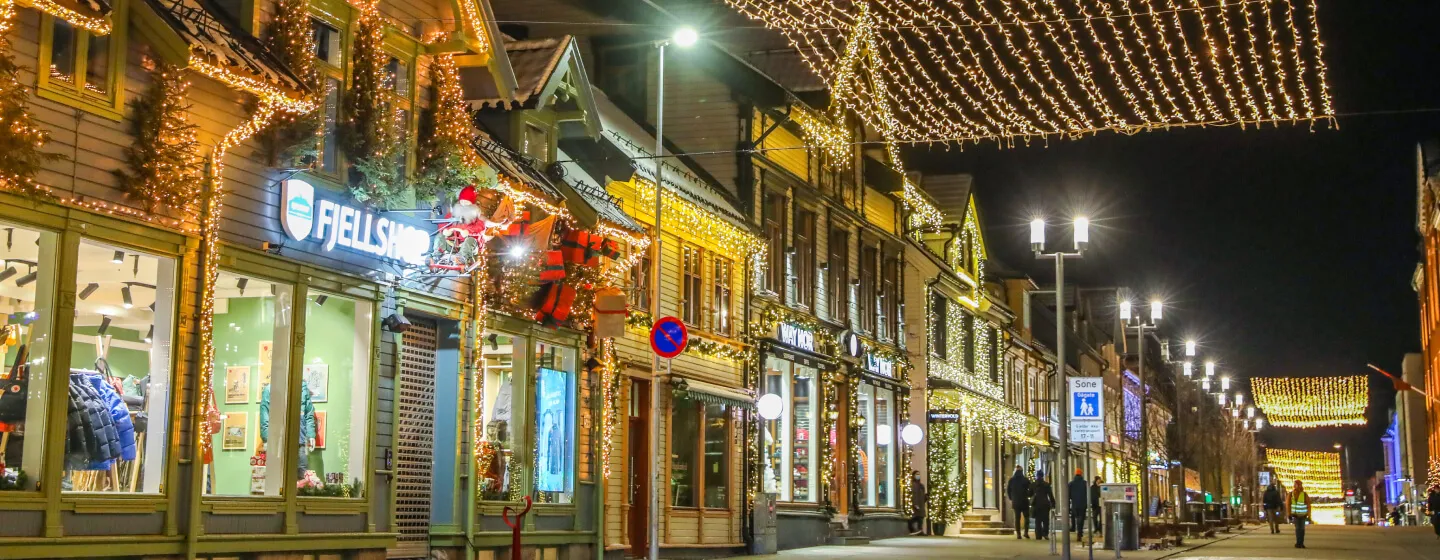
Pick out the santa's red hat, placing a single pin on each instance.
(467, 194)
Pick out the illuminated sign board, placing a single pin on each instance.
(792, 335)
(332, 224)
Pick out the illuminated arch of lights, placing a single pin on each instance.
(1312, 402)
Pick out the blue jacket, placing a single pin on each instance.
(124, 428)
(307, 414)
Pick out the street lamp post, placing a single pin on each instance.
(1344, 465)
(684, 37)
(1037, 244)
(1140, 328)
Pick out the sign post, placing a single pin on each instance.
(1087, 409)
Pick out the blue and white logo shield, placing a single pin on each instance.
(297, 211)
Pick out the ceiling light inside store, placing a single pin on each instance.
(119, 257)
(104, 325)
(89, 289)
(7, 273)
(28, 278)
(125, 295)
(150, 334)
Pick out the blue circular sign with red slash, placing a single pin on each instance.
(668, 337)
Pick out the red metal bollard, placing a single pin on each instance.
(515, 527)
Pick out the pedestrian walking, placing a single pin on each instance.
(1300, 512)
(1018, 492)
(1077, 491)
(1042, 500)
(1432, 502)
(1273, 501)
(1095, 511)
(918, 500)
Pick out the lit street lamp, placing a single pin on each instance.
(683, 37)
(1037, 244)
(1140, 327)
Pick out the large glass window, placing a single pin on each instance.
(699, 455)
(791, 453)
(501, 354)
(252, 356)
(554, 423)
(27, 282)
(876, 408)
(118, 407)
(335, 396)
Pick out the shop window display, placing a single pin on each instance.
(334, 396)
(699, 465)
(791, 453)
(120, 349)
(554, 423)
(497, 469)
(252, 350)
(26, 313)
(876, 459)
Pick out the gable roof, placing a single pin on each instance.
(213, 37)
(540, 67)
(593, 192)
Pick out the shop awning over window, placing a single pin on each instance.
(220, 48)
(515, 166)
(711, 393)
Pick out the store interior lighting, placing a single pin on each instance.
(119, 257)
(104, 325)
(28, 278)
(125, 295)
(89, 289)
(7, 273)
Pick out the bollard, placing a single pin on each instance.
(1119, 529)
(1053, 518)
(515, 527)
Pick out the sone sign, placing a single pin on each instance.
(332, 223)
(1087, 406)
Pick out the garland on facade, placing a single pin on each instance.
(610, 414)
(1432, 475)
(829, 386)
(949, 491)
(372, 131)
(293, 140)
(165, 165)
(20, 136)
(447, 160)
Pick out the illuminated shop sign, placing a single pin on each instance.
(795, 336)
(332, 224)
(882, 366)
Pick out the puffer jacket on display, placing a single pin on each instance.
(119, 413)
(94, 439)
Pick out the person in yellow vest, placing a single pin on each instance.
(1299, 512)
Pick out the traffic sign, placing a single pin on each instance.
(1087, 409)
(668, 337)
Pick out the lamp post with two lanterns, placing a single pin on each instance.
(1140, 327)
(1037, 244)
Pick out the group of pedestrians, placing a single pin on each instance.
(1035, 500)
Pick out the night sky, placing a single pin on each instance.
(1285, 251)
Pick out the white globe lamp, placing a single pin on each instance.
(770, 406)
(912, 434)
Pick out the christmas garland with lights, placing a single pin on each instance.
(1312, 402)
(447, 160)
(372, 130)
(949, 490)
(293, 140)
(165, 163)
(21, 137)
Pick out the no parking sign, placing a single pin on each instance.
(668, 337)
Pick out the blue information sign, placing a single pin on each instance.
(668, 337)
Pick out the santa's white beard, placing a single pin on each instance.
(465, 212)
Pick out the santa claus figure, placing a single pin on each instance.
(466, 229)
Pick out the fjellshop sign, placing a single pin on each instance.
(332, 224)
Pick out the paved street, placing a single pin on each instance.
(1323, 543)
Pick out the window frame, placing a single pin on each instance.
(838, 276)
(939, 325)
(341, 17)
(406, 50)
(773, 222)
(869, 288)
(722, 296)
(692, 285)
(697, 482)
(111, 104)
(804, 244)
(640, 296)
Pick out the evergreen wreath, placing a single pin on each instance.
(371, 132)
(293, 140)
(165, 163)
(20, 137)
(448, 162)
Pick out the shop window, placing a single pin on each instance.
(554, 424)
(27, 281)
(721, 297)
(691, 292)
(876, 408)
(839, 276)
(699, 467)
(791, 453)
(118, 407)
(251, 383)
(804, 258)
(335, 396)
(501, 355)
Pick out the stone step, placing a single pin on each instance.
(849, 540)
(983, 524)
(986, 531)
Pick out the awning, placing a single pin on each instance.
(711, 393)
(220, 42)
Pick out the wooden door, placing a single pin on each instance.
(839, 442)
(639, 462)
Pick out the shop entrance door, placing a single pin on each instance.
(415, 436)
(639, 461)
(839, 443)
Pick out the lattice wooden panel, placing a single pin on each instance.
(415, 439)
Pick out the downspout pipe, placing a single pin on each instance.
(477, 323)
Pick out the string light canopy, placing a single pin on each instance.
(1312, 402)
(1319, 470)
(957, 71)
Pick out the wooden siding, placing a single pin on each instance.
(780, 146)
(700, 116)
(880, 210)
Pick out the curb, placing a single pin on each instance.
(1198, 547)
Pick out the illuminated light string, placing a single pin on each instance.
(96, 25)
(1312, 402)
(967, 93)
(831, 139)
(1319, 470)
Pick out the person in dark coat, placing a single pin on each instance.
(1432, 502)
(1095, 511)
(918, 499)
(1078, 490)
(1042, 500)
(1273, 502)
(1018, 492)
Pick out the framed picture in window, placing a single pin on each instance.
(237, 385)
(317, 379)
(263, 373)
(233, 430)
(319, 429)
